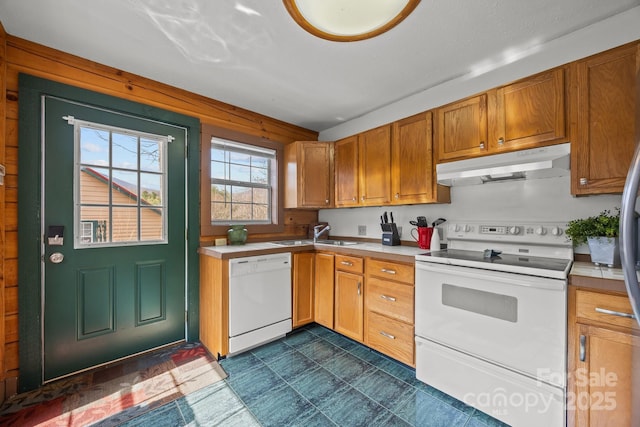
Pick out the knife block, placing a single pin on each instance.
(390, 236)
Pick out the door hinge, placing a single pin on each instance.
(186, 317)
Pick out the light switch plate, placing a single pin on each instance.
(362, 230)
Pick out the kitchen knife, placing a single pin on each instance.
(386, 218)
(381, 220)
(391, 215)
(438, 222)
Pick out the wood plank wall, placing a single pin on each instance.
(19, 55)
(7, 308)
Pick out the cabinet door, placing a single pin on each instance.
(308, 174)
(323, 301)
(315, 188)
(375, 166)
(346, 171)
(349, 304)
(607, 378)
(528, 113)
(605, 103)
(412, 165)
(461, 128)
(303, 274)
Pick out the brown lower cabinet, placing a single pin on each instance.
(303, 287)
(366, 299)
(349, 297)
(389, 309)
(323, 289)
(604, 361)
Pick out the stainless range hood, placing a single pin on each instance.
(543, 162)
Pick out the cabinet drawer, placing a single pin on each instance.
(390, 270)
(605, 308)
(389, 298)
(391, 337)
(350, 264)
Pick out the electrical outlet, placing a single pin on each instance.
(362, 230)
(399, 231)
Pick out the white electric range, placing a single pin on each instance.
(490, 319)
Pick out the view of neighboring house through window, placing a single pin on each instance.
(241, 182)
(120, 186)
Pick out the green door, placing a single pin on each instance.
(113, 221)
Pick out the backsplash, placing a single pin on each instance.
(535, 200)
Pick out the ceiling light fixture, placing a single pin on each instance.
(349, 20)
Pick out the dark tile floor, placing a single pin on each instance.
(315, 377)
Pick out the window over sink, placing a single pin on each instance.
(239, 182)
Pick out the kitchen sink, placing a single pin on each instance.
(310, 242)
(293, 242)
(336, 242)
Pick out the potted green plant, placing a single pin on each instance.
(600, 232)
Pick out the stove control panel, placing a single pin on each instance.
(498, 229)
(535, 238)
(522, 232)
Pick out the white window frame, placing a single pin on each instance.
(253, 150)
(163, 141)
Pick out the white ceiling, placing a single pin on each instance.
(251, 54)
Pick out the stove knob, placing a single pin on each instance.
(456, 228)
(514, 230)
(541, 231)
(467, 228)
(556, 231)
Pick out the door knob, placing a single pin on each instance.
(56, 257)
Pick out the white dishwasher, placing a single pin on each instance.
(259, 300)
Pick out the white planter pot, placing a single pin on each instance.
(604, 250)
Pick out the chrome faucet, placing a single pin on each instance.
(318, 231)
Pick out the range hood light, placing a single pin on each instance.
(503, 177)
(543, 162)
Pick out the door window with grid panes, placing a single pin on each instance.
(119, 186)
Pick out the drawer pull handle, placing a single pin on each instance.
(359, 288)
(384, 334)
(347, 263)
(583, 348)
(385, 270)
(388, 298)
(615, 313)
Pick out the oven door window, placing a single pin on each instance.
(490, 304)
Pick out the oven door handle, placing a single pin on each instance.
(495, 276)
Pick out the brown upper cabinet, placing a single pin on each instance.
(346, 172)
(309, 174)
(525, 114)
(363, 168)
(374, 149)
(604, 101)
(529, 113)
(413, 177)
(461, 128)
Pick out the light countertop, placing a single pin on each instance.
(397, 253)
(601, 278)
(589, 269)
